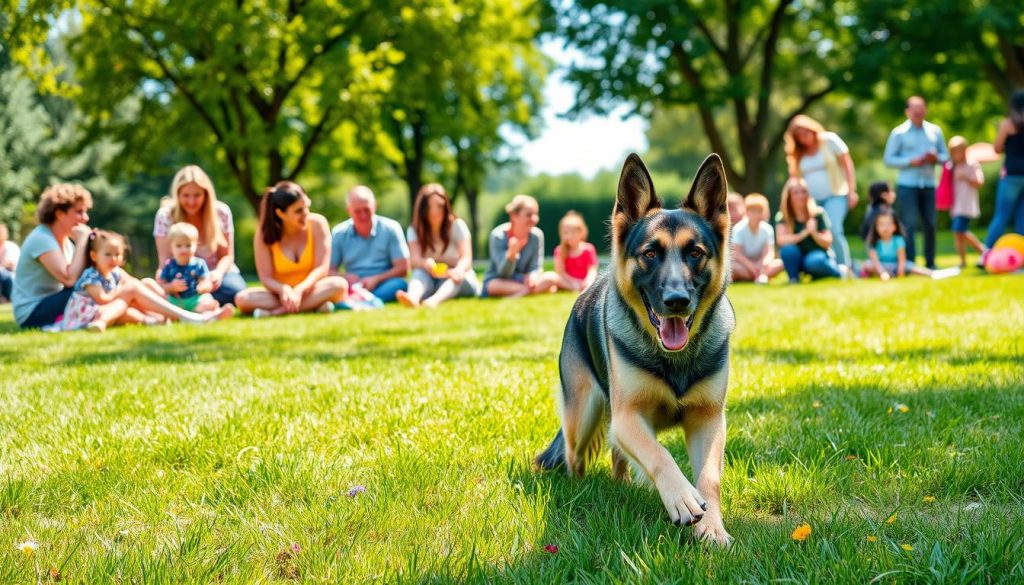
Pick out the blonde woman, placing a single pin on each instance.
(822, 160)
(193, 200)
(803, 234)
(517, 254)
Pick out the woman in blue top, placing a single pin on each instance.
(53, 256)
(1010, 192)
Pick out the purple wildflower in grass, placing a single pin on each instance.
(355, 491)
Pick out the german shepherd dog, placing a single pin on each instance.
(648, 345)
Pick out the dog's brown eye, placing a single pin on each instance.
(696, 253)
(650, 254)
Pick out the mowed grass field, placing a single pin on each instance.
(396, 446)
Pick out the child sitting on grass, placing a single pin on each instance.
(185, 277)
(575, 257)
(93, 304)
(753, 244)
(887, 254)
(880, 196)
(104, 294)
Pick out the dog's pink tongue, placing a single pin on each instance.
(674, 333)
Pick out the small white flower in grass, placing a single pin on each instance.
(28, 548)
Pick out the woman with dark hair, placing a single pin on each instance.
(292, 249)
(441, 252)
(1010, 192)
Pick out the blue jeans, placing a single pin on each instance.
(916, 207)
(1009, 204)
(836, 207)
(387, 289)
(817, 263)
(230, 285)
(6, 283)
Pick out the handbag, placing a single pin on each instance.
(944, 192)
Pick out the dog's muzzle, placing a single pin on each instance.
(673, 331)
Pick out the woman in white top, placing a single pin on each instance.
(823, 161)
(441, 252)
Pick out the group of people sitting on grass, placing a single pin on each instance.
(67, 275)
(821, 190)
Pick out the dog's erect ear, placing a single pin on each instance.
(636, 194)
(709, 193)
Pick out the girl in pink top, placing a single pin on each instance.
(575, 257)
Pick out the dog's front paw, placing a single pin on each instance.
(713, 533)
(684, 504)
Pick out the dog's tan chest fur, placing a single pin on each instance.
(638, 390)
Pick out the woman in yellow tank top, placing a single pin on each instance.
(292, 249)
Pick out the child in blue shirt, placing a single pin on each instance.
(887, 248)
(185, 277)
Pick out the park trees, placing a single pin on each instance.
(260, 84)
(470, 71)
(763, 62)
(268, 88)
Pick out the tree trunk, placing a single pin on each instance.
(414, 161)
(472, 198)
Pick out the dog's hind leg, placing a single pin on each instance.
(583, 407)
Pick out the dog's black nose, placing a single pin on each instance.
(676, 301)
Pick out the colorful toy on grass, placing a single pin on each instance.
(1015, 241)
(1003, 260)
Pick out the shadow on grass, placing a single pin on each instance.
(939, 352)
(222, 347)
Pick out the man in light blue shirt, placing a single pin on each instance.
(371, 248)
(915, 147)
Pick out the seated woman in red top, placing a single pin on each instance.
(575, 257)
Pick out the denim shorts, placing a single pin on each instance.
(960, 223)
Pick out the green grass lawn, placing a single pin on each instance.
(203, 454)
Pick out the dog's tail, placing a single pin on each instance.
(554, 456)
